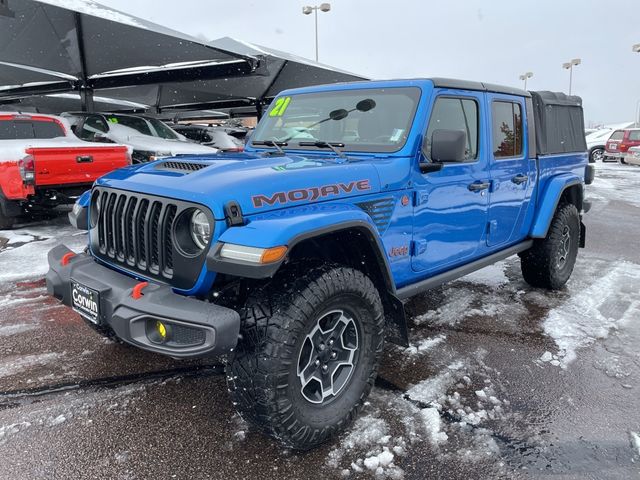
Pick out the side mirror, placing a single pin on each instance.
(448, 146)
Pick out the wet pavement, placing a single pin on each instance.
(501, 380)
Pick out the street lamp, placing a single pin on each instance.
(636, 48)
(569, 66)
(323, 7)
(525, 77)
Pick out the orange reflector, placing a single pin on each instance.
(66, 257)
(273, 254)
(136, 293)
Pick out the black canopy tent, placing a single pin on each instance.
(55, 46)
(279, 71)
(79, 45)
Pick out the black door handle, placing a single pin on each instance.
(477, 186)
(84, 159)
(520, 178)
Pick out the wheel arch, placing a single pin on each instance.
(565, 188)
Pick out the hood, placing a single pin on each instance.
(259, 184)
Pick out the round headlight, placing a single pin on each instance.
(200, 229)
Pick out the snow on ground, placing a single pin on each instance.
(78, 406)
(15, 365)
(614, 182)
(635, 441)
(592, 311)
(423, 346)
(26, 252)
(492, 276)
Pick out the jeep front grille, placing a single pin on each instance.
(136, 232)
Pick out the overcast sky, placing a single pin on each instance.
(490, 40)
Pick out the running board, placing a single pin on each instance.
(432, 282)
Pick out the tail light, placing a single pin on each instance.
(129, 157)
(237, 149)
(28, 170)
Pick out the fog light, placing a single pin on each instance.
(162, 330)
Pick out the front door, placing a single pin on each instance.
(512, 172)
(451, 205)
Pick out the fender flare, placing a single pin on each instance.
(293, 226)
(550, 199)
(290, 227)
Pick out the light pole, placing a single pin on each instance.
(569, 66)
(525, 77)
(636, 48)
(323, 7)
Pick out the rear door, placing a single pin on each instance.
(512, 174)
(450, 210)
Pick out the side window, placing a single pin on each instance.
(47, 129)
(457, 113)
(16, 129)
(91, 126)
(634, 135)
(507, 129)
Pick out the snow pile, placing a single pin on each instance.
(592, 311)
(432, 390)
(433, 425)
(29, 260)
(424, 345)
(7, 430)
(369, 434)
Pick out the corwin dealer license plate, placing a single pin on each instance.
(85, 301)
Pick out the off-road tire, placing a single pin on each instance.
(263, 372)
(541, 265)
(6, 222)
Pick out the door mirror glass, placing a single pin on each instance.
(448, 146)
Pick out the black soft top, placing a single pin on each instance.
(559, 123)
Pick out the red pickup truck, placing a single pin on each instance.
(43, 164)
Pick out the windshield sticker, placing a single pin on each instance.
(280, 107)
(113, 120)
(310, 194)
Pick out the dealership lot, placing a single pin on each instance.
(501, 380)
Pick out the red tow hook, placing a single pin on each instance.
(136, 293)
(66, 257)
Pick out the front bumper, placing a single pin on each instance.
(213, 328)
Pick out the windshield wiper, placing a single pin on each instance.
(322, 144)
(272, 143)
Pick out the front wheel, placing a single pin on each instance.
(550, 261)
(308, 354)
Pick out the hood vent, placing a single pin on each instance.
(380, 211)
(182, 167)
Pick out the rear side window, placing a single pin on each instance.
(455, 114)
(617, 135)
(46, 129)
(507, 129)
(16, 129)
(634, 135)
(92, 126)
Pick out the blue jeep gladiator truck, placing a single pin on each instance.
(291, 260)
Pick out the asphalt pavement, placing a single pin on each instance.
(501, 380)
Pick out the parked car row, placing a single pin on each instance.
(48, 160)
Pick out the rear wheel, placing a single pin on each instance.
(308, 354)
(596, 155)
(5, 221)
(550, 261)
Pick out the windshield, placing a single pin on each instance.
(146, 126)
(364, 120)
